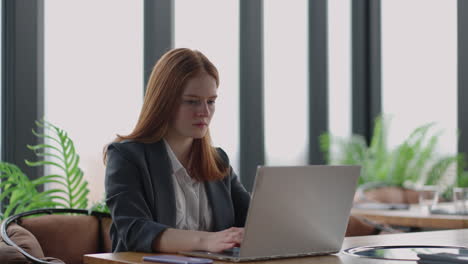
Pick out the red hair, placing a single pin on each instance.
(162, 98)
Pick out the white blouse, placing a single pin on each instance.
(193, 211)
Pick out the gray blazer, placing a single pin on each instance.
(141, 198)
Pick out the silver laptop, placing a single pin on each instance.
(295, 211)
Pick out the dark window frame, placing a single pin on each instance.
(462, 77)
(366, 66)
(158, 33)
(252, 136)
(22, 80)
(318, 77)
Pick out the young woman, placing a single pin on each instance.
(168, 189)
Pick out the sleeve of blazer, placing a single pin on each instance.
(240, 199)
(239, 195)
(125, 198)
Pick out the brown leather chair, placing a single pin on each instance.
(57, 236)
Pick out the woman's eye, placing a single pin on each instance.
(211, 102)
(191, 102)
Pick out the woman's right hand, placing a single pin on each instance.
(222, 240)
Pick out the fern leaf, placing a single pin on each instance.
(40, 135)
(53, 178)
(43, 163)
(65, 158)
(43, 146)
(438, 170)
(49, 155)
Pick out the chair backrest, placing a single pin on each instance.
(67, 237)
(106, 245)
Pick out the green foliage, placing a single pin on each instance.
(60, 154)
(20, 193)
(100, 206)
(413, 161)
(355, 151)
(462, 179)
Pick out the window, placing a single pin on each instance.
(93, 75)
(339, 67)
(419, 68)
(215, 34)
(285, 82)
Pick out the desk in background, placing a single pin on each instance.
(438, 238)
(414, 217)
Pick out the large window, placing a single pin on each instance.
(339, 67)
(419, 68)
(285, 82)
(93, 75)
(214, 30)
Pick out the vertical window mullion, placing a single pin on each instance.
(252, 146)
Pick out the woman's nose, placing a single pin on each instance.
(203, 109)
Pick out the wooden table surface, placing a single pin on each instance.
(439, 238)
(415, 217)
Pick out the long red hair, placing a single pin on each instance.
(162, 98)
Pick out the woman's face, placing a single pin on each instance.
(196, 109)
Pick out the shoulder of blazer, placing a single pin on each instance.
(134, 150)
(128, 147)
(223, 155)
(225, 158)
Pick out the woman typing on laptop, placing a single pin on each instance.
(168, 189)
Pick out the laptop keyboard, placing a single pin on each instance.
(234, 252)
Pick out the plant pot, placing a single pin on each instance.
(381, 193)
(392, 194)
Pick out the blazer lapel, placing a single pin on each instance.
(161, 174)
(221, 205)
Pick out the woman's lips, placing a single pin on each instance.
(200, 125)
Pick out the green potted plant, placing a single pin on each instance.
(19, 193)
(390, 175)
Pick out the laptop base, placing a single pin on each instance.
(232, 258)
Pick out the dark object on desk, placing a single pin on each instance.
(447, 212)
(380, 228)
(409, 252)
(171, 259)
(443, 258)
(361, 226)
(382, 206)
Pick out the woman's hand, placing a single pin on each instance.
(222, 240)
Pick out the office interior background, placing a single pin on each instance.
(289, 71)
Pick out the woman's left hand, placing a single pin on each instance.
(222, 240)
